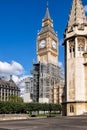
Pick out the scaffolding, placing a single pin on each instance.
(36, 72)
(47, 82)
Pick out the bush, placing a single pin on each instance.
(51, 116)
(33, 115)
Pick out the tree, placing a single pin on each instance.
(14, 98)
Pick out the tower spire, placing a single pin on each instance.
(47, 15)
(77, 14)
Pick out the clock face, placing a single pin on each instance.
(42, 44)
(54, 44)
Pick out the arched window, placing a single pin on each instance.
(71, 108)
(70, 50)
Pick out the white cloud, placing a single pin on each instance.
(17, 71)
(15, 78)
(13, 68)
(85, 8)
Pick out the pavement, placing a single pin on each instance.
(60, 123)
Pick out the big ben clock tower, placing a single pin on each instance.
(47, 41)
(46, 69)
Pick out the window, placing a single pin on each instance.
(81, 48)
(70, 50)
(71, 108)
(78, 48)
(73, 49)
(86, 48)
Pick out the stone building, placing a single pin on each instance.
(46, 71)
(75, 43)
(8, 88)
(28, 93)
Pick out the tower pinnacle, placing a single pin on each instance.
(77, 14)
(47, 15)
(47, 23)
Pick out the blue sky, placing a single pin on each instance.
(20, 21)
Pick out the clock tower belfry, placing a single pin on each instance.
(47, 41)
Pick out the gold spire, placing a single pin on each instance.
(77, 14)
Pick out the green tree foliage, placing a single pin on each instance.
(14, 98)
(19, 107)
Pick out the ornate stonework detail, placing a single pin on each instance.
(77, 14)
(72, 43)
(81, 44)
(72, 48)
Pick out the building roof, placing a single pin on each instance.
(47, 23)
(47, 29)
(9, 83)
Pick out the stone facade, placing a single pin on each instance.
(75, 44)
(28, 94)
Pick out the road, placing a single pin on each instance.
(61, 123)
